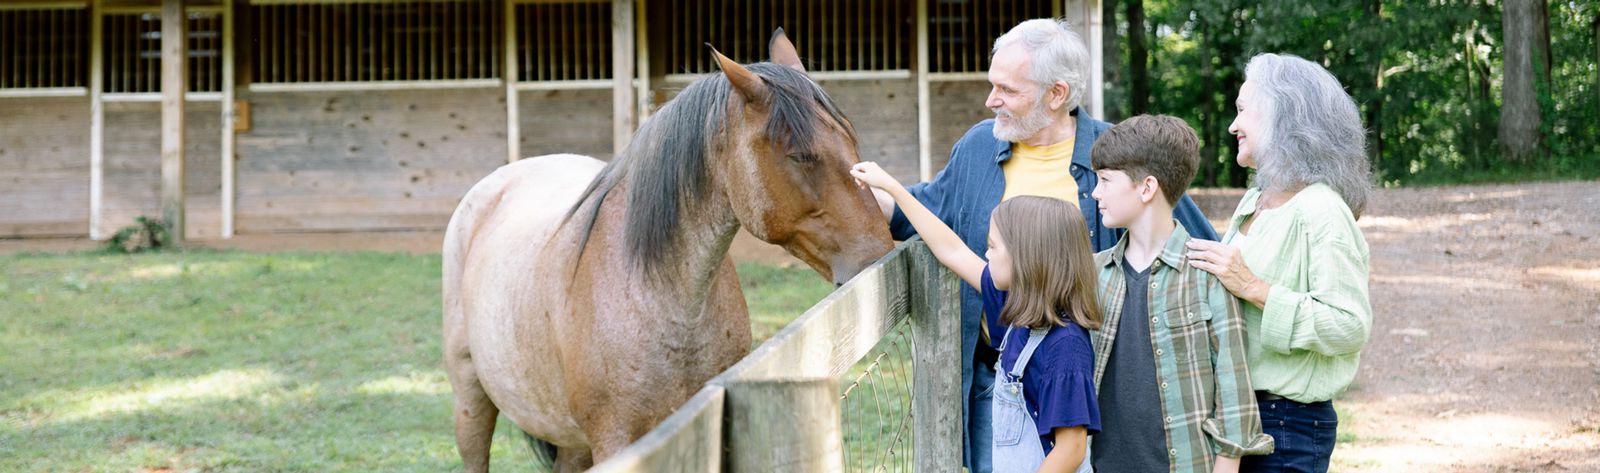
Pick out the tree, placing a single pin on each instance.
(1138, 60)
(1111, 48)
(1520, 140)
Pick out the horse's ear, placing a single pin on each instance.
(783, 52)
(751, 86)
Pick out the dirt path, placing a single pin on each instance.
(1485, 350)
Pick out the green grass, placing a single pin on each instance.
(294, 362)
(248, 362)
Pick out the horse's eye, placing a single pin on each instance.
(803, 158)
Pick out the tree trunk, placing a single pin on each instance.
(1375, 107)
(1111, 50)
(1541, 28)
(1519, 104)
(1230, 53)
(1138, 60)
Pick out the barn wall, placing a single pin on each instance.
(565, 121)
(44, 167)
(365, 160)
(884, 113)
(132, 164)
(957, 106)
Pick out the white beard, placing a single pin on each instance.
(1016, 129)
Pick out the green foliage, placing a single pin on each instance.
(146, 234)
(1426, 75)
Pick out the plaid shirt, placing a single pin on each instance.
(1198, 337)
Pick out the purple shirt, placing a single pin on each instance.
(1058, 383)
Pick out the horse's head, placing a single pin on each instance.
(789, 153)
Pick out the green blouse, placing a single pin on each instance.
(1305, 345)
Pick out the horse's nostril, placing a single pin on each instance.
(838, 285)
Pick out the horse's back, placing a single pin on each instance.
(498, 283)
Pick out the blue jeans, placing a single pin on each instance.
(980, 436)
(1304, 434)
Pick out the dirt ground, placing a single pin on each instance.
(1485, 348)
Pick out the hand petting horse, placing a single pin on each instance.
(586, 301)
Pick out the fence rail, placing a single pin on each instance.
(779, 408)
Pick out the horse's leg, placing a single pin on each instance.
(475, 416)
(474, 412)
(573, 460)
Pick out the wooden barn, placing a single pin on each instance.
(363, 115)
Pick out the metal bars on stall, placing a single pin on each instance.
(130, 43)
(366, 45)
(43, 49)
(838, 39)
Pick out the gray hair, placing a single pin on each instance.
(1313, 133)
(1058, 55)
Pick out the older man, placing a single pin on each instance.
(1037, 144)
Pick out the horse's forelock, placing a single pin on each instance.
(666, 161)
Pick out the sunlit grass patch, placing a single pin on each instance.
(228, 361)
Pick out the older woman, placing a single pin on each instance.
(1293, 254)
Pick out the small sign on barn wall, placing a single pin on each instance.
(241, 115)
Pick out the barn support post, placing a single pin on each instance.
(174, 84)
(1085, 14)
(642, 61)
(513, 112)
(924, 114)
(227, 147)
(623, 116)
(97, 119)
(783, 425)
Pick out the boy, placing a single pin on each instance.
(1175, 392)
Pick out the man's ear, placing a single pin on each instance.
(1058, 95)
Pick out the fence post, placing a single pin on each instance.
(690, 440)
(783, 425)
(935, 348)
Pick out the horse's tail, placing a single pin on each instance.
(544, 453)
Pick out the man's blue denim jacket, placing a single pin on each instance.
(971, 185)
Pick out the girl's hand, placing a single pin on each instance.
(1228, 265)
(868, 173)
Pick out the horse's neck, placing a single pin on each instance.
(683, 279)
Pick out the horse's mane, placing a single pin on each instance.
(666, 161)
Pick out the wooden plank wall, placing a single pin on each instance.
(884, 113)
(346, 160)
(133, 166)
(364, 160)
(565, 121)
(957, 106)
(44, 167)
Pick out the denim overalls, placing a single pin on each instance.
(1016, 436)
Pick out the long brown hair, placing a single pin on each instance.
(1052, 274)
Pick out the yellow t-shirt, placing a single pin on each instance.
(1044, 171)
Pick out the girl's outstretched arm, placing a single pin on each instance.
(944, 243)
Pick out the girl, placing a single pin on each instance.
(1038, 290)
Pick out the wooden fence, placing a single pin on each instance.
(778, 409)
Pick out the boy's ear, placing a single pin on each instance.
(1149, 189)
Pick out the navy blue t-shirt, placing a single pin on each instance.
(1058, 383)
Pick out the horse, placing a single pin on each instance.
(586, 301)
